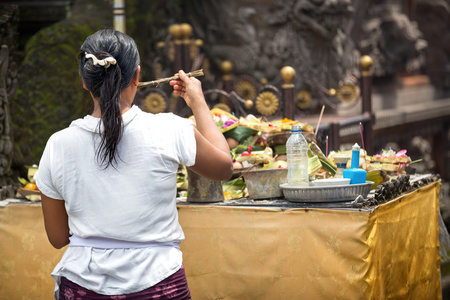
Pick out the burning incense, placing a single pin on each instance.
(320, 118)
(326, 146)
(165, 80)
(362, 138)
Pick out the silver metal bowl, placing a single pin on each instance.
(332, 193)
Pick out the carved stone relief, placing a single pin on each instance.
(260, 39)
(433, 18)
(392, 40)
(322, 40)
(8, 85)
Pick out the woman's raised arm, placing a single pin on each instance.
(213, 158)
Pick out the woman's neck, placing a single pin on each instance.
(97, 113)
(126, 97)
(126, 101)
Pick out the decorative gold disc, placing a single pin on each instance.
(246, 89)
(223, 106)
(303, 99)
(267, 103)
(154, 103)
(347, 92)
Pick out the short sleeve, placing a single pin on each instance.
(187, 146)
(43, 176)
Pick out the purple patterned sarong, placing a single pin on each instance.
(173, 287)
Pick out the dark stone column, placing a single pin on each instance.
(287, 74)
(366, 92)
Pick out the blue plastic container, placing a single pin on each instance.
(355, 174)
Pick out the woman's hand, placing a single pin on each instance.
(189, 88)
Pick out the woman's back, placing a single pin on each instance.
(136, 199)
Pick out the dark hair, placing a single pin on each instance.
(106, 84)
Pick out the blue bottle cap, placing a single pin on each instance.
(296, 128)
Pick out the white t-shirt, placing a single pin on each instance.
(135, 201)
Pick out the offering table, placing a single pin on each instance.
(268, 251)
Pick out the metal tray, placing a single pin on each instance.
(335, 193)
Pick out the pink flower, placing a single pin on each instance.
(228, 123)
(401, 153)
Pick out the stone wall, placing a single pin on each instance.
(8, 85)
(50, 94)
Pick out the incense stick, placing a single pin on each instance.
(165, 80)
(320, 118)
(362, 138)
(326, 146)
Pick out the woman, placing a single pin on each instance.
(108, 181)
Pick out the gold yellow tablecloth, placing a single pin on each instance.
(390, 252)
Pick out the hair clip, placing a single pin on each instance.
(102, 62)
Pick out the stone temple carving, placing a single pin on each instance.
(433, 18)
(323, 40)
(6, 145)
(8, 85)
(392, 40)
(261, 39)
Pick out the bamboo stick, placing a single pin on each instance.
(167, 79)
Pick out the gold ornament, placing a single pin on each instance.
(175, 31)
(303, 99)
(158, 69)
(226, 67)
(186, 30)
(160, 45)
(347, 92)
(366, 63)
(267, 103)
(206, 65)
(171, 51)
(223, 106)
(154, 103)
(193, 49)
(248, 104)
(246, 89)
(287, 73)
(198, 43)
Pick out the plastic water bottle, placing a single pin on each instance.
(297, 158)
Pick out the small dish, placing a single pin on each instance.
(330, 182)
(32, 195)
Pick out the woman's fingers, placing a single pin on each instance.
(178, 87)
(184, 83)
(183, 76)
